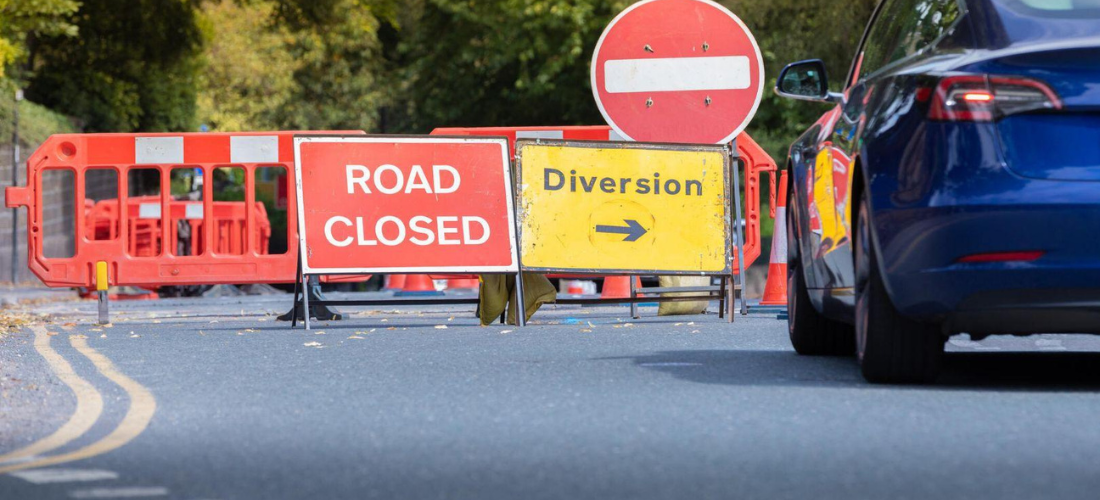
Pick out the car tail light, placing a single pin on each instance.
(1024, 256)
(983, 98)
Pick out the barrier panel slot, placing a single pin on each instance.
(230, 212)
(58, 223)
(185, 220)
(143, 217)
(270, 190)
(101, 214)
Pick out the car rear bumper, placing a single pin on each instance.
(1059, 292)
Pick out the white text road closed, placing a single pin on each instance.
(430, 204)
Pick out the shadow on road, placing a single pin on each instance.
(994, 371)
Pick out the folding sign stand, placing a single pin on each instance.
(301, 298)
(548, 224)
(403, 204)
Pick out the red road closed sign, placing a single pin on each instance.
(677, 71)
(404, 204)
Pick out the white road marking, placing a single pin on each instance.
(1049, 345)
(675, 74)
(966, 343)
(48, 476)
(121, 492)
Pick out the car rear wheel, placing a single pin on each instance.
(811, 333)
(891, 348)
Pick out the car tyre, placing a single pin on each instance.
(811, 333)
(891, 348)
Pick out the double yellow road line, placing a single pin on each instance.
(89, 407)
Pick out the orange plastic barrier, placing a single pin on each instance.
(145, 250)
(756, 161)
(229, 217)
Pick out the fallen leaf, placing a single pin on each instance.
(585, 330)
(506, 331)
(51, 333)
(103, 336)
(440, 327)
(319, 333)
(355, 337)
(134, 336)
(313, 344)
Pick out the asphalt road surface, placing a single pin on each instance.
(213, 399)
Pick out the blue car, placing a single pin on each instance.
(953, 188)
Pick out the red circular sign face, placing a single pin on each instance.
(677, 71)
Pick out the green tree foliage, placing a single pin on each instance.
(793, 30)
(293, 64)
(133, 67)
(497, 62)
(22, 21)
(249, 73)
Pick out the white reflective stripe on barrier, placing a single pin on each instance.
(254, 149)
(158, 150)
(192, 212)
(540, 134)
(149, 211)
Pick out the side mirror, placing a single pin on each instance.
(806, 80)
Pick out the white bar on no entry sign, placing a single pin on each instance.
(676, 74)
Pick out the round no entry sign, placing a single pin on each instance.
(677, 71)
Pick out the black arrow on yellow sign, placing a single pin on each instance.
(632, 230)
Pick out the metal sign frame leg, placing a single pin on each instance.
(305, 299)
(521, 306)
(738, 233)
(633, 295)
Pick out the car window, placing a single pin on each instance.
(903, 28)
(1078, 9)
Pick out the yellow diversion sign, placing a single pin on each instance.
(624, 207)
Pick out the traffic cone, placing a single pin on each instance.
(462, 284)
(775, 290)
(418, 284)
(394, 282)
(618, 287)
